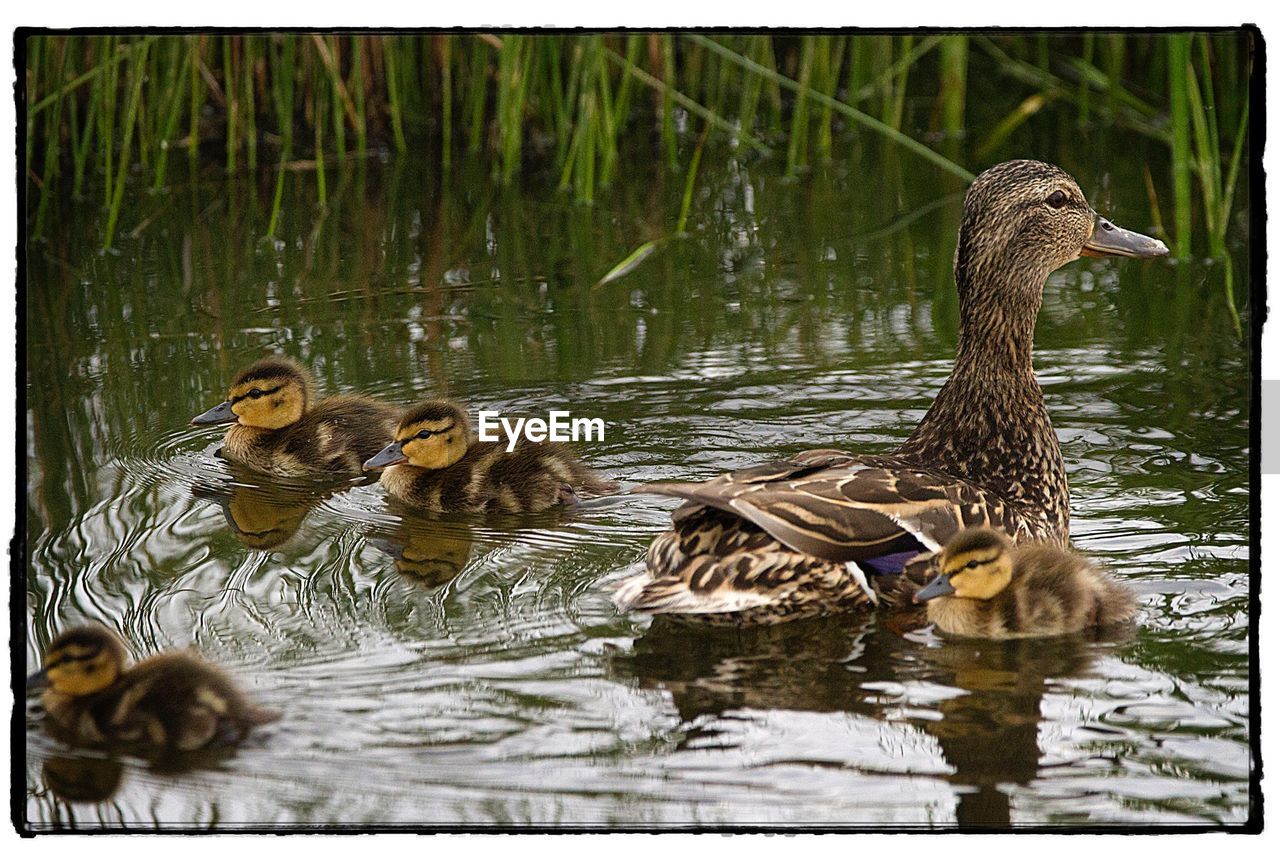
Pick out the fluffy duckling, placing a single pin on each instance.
(170, 701)
(440, 466)
(280, 428)
(987, 587)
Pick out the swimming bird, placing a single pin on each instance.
(435, 463)
(170, 701)
(988, 587)
(830, 530)
(279, 427)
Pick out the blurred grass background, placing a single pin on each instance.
(106, 112)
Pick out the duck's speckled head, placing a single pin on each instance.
(434, 434)
(1022, 220)
(80, 661)
(270, 394)
(1034, 217)
(976, 563)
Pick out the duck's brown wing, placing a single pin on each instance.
(718, 567)
(842, 507)
(790, 539)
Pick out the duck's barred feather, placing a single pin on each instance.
(842, 506)
(783, 540)
(718, 568)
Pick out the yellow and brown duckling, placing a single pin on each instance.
(988, 587)
(279, 427)
(170, 701)
(435, 463)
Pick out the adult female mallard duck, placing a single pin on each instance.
(987, 587)
(824, 530)
(170, 701)
(442, 468)
(280, 428)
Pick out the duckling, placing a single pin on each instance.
(444, 469)
(281, 429)
(987, 587)
(170, 701)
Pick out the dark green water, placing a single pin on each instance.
(483, 676)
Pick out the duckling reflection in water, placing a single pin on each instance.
(278, 426)
(441, 467)
(82, 778)
(434, 556)
(170, 701)
(990, 730)
(264, 515)
(988, 588)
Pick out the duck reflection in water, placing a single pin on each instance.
(82, 778)
(430, 552)
(988, 733)
(96, 778)
(263, 514)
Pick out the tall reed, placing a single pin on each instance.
(106, 111)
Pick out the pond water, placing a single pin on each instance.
(474, 671)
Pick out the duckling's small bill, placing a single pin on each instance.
(1108, 240)
(936, 588)
(219, 414)
(392, 454)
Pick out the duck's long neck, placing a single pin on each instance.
(989, 423)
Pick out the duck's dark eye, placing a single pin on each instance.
(1057, 199)
(972, 564)
(255, 394)
(424, 433)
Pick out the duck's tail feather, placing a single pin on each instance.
(645, 593)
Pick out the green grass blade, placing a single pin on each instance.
(844, 109)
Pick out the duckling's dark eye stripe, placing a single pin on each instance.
(427, 433)
(261, 393)
(975, 563)
(68, 657)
